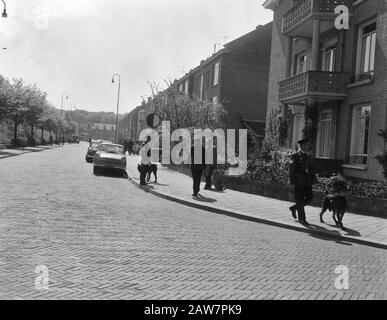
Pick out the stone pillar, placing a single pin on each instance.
(289, 52)
(316, 44)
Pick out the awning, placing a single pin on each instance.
(256, 127)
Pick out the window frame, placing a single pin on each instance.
(319, 132)
(216, 74)
(297, 62)
(299, 120)
(355, 135)
(329, 46)
(201, 90)
(360, 49)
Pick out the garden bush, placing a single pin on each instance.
(276, 171)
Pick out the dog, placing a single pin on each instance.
(149, 169)
(337, 204)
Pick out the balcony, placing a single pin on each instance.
(298, 20)
(319, 85)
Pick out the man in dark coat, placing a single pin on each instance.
(209, 170)
(143, 165)
(197, 171)
(302, 176)
(130, 147)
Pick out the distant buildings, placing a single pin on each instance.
(104, 131)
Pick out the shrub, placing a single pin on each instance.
(333, 183)
(370, 189)
(275, 170)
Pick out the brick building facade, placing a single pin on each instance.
(133, 123)
(235, 76)
(339, 73)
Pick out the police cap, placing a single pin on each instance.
(303, 141)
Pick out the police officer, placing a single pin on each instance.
(197, 171)
(143, 164)
(302, 176)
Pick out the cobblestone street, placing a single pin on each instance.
(103, 238)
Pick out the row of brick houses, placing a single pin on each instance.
(342, 73)
(235, 76)
(301, 62)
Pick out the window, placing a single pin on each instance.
(329, 53)
(216, 73)
(360, 133)
(366, 51)
(215, 100)
(201, 86)
(324, 134)
(186, 87)
(181, 87)
(207, 80)
(298, 127)
(301, 63)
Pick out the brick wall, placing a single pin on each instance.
(374, 93)
(245, 74)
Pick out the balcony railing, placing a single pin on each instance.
(307, 8)
(317, 84)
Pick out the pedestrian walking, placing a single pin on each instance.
(210, 168)
(125, 144)
(130, 147)
(302, 176)
(197, 171)
(143, 164)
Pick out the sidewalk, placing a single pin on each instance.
(5, 153)
(177, 187)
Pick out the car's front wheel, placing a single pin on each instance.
(96, 170)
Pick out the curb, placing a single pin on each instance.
(24, 152)
(242, 216)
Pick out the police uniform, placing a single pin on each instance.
(197, 170)
(302, 176)
(143, 164)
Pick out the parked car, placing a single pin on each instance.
(74, 139)
(110, 156)
(92, 150)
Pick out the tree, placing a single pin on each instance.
(185, 111)
(35, 102)
(16, 104)
(5, 91)
(272, 135)
(46, 121)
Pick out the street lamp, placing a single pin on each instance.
(118, 102)
(4, 15)
(61, 111)
(61, 104)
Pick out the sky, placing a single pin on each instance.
(75, 46)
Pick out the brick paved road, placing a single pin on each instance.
(102, 238)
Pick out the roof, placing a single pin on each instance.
(271, 4)
(255, 126)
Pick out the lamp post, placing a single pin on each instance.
(118, 103)
(61, 104)
(4, 14)
(61, 112)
